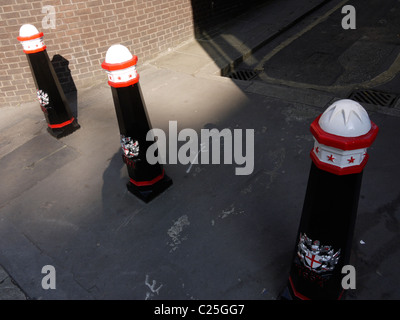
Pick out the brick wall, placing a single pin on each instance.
(84, 30)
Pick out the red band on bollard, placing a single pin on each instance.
(119, 66)
(124, 84)
(35, 36)
(303, 297)
(60, 125)
(36, 50)
(343, 143)
(147, 183)
(297, 294)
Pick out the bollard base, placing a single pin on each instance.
(148, 193)
(290, 293)
(64, 131)
(285, 295)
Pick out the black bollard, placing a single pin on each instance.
(146, 180)
(52, 100)
(342, 135)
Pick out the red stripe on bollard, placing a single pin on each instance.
(124, 84)
(60, 125)
(148, 183)
(35, 50)
(119, 65)
(297, 294)
(34, 36)
(343, 143)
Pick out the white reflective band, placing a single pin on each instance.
(33, 45)
(337, 157)
(122, 76)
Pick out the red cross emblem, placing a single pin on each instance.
(312, 260)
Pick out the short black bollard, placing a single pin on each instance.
(342, 135)
(146, 180)
(52, 100)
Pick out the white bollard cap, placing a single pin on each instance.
(31, 39)
(342, 135)
(120, 66)
(118, 53)
(28, 30)
(345, 118)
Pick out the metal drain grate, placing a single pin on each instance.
(243, 75)
(374, 97)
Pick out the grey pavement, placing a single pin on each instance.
(212, 234)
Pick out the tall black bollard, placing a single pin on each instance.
(342, 135)
(146, 180)
(52, 100)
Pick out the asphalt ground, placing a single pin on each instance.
(334, 59)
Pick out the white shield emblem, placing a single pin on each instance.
(43, 98)
(312, 260)
(316, 257)
(129, 147)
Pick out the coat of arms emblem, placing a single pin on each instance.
(315, 256)
(129, 147)
(43, 98)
